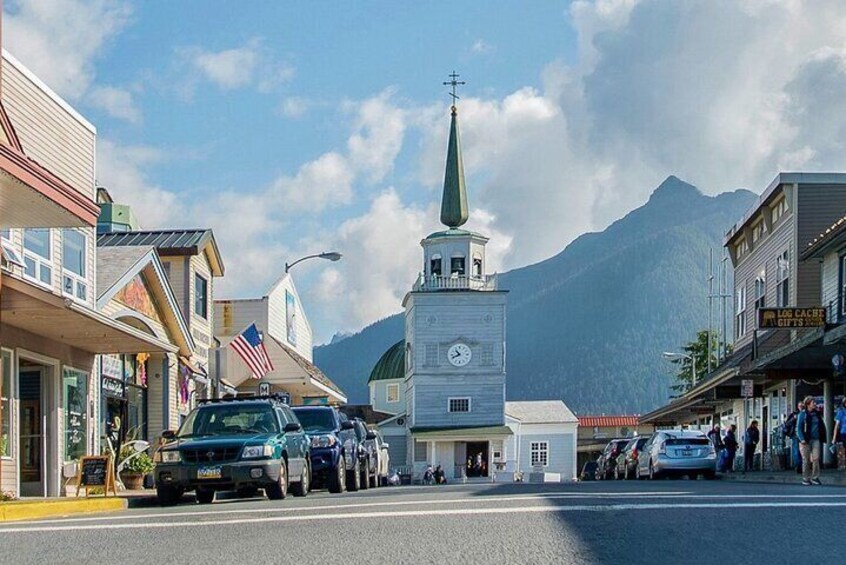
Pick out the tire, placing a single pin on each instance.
(374, 479)
(338, 480)
(301, 488)
(637, 473)
(364, 483)
(626, 474)
(616, 473)
(354, 477)
(653, 474)
(168, 496)
(205, 495)
(279, 490)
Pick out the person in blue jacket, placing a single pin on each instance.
(810, 429)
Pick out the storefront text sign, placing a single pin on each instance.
(786, 318)
(747, 388)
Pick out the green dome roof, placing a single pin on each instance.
(391, 365)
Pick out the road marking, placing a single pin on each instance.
(465, 500)
(426, 513)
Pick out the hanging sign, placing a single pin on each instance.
(264, 389)
(789, 318)
(747, 388)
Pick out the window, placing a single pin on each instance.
(741, 249)
(842, 296)
(6, 234)
(37, 255)
(75, 387)
(783, 280)
(457, 266)
(761, 291)
(539, 453)
(477, 267)
(201, 296)
(409, 358)
(393, 393)
(435, 267)
(758, 231)
(740, 310)
(5, 395)
(74, 253)
(459, 404)
(420, 451)
(779, 209)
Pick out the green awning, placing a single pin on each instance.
(458, 434)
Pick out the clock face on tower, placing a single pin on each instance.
(459, 354)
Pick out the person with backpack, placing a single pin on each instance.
(812, 434)
(750, 444)
(789, 429)
(731, 444)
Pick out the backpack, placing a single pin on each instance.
(789, 428)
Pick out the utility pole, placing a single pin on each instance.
(710, 302)
(724, 299)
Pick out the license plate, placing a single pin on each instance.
(687, 453)
(209, 473)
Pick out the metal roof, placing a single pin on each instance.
(540, 412)
(391, 365)
(168, 242)
(822, 241)
(608, 421)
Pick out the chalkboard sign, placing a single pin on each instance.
(96, 471)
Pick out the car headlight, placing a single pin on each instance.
(170, 456)
(323, 441)
(254, 451)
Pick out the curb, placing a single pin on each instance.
(25, 510)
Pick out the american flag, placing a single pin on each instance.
(251, 349)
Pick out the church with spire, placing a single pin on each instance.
(445, 382)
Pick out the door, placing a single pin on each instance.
(32, 447)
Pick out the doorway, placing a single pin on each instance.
(477, 458)
(32, 447)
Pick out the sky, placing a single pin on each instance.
(293, 128)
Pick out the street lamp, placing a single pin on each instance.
(676, 356)
(328, 255)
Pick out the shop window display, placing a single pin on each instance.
(76, 413)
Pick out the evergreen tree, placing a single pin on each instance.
(697, 350)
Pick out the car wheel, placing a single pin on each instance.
(279, 489)
(637, 473)
(205, 495)
(616, 473)
(302, 487)
(338, 479)
(652, 473)
(626, 473)
(365, 476)
(374, 479)
(354, 477)
(168, 496)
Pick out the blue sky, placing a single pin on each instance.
(292, 128)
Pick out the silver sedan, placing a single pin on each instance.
(677, 452)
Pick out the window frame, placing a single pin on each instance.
(7, 234)
(40, 262)
(205, 313)
(539, 451)
(783, 279)
(761, 290)
(461, 262)
(436, 260)
(79, 284)
(8, 396)
(459, 399)
(841, 286)
(388, 388)
(740, 310)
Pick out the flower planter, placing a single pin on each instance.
(132, 481)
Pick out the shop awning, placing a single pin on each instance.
(42, 313)
(462, 434)
(33, 197)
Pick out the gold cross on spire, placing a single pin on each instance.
(454, 82)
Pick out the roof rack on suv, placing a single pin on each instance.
(276, 398)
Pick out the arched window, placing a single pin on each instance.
(457, 266)
(435, 268)
(477, 265)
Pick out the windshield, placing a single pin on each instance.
(316, 420)
(688, 441)
(220, 419)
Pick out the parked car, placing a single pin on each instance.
(383, 458)
(608, 459)
(676, 453)
(589, 471)
(234, 444)
(627, 461)
(367, 454)
(334, 447)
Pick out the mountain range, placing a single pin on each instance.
(589, 324)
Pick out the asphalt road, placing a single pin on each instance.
(608, 522)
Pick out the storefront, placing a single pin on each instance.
(123, 401)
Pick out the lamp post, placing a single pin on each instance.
(328, 255)
(674, 356)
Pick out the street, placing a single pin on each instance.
(605, 522)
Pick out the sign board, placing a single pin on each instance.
(747, 388)
(791, 318)
(264, 389)
(96, 471)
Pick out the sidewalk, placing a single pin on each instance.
(33, 509)
(829, 477)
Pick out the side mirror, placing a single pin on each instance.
(169, 435)
(347, 425)
(292, 427)
(385, 446)
(370, 435)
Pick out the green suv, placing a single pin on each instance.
(240, 444)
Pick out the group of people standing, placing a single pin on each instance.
(806, 428)
(726, 447)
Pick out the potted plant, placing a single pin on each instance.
(133, 472)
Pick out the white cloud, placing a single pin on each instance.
(117, 102)
(249, 65)
(481, 47)
(294, 107)
(59, 40)
(323, 183)
(377, 139)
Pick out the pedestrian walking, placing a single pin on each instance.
(731, 444)
(812, 434)
(839, 434)
(750, 444)
(789, 429)
(716, 438)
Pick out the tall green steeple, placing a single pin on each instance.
(454, 211)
